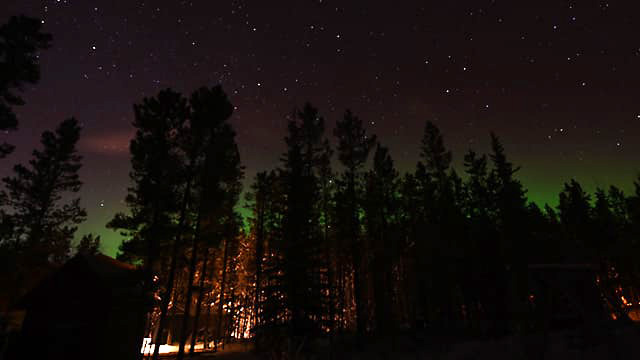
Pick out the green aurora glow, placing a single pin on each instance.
(543, 182)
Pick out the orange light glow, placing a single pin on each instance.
(625, 302)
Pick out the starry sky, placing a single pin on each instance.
(558, 81)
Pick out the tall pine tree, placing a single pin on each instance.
(44, 210)
(302, 234)
(353, 150)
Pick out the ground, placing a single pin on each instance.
(612, 343)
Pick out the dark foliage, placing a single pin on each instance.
(41, 212)
(89, 244)
(21, 40)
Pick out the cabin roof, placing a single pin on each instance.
(85, 271)
(106, 266)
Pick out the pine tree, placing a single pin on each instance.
(510, 196)
(259, 198)
(326, 205)
(433, 254)
(268, 206)
(301, 242)
(156, 175)
(44, 226)
(217, 177)
(380, 213)
(481, 253)
(575, 216)
(353, 150)
(44, 212)
(21, 40)
(606, 228)
(631, 244)
(478, 194)
(410, 219)
(159, 193)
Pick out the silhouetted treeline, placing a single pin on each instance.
(356, 249)
(429, 250)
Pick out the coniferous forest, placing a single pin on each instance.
(340, 249)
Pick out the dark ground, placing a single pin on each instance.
(613, 342)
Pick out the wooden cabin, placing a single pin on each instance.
(92, 307)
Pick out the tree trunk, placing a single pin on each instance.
(357, 295)
(233, 323)
(222, 289)
(329, 265)
(165, 302)
(356, 253)
(187, 303)
(208, 317)
(203, 273)
(172, 271)
(259, 257)
(148, 266)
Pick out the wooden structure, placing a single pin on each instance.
(91, 308)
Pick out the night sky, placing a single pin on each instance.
(558, 81)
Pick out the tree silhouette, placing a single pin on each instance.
(21, 40)
(259, 198)
(158, 175)
(575, 217)
(482, 249)
(89, 244)
(218, 175)
(267, 207)
(380, 214)
(301, 231)
(43, 224)
(353, 150)
(432, 253)
(512, 222)
(44, 214)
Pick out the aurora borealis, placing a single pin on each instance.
(558, 81)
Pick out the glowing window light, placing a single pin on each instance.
(148, 347)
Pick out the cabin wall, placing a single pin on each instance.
(124, 331)
(58, 330)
